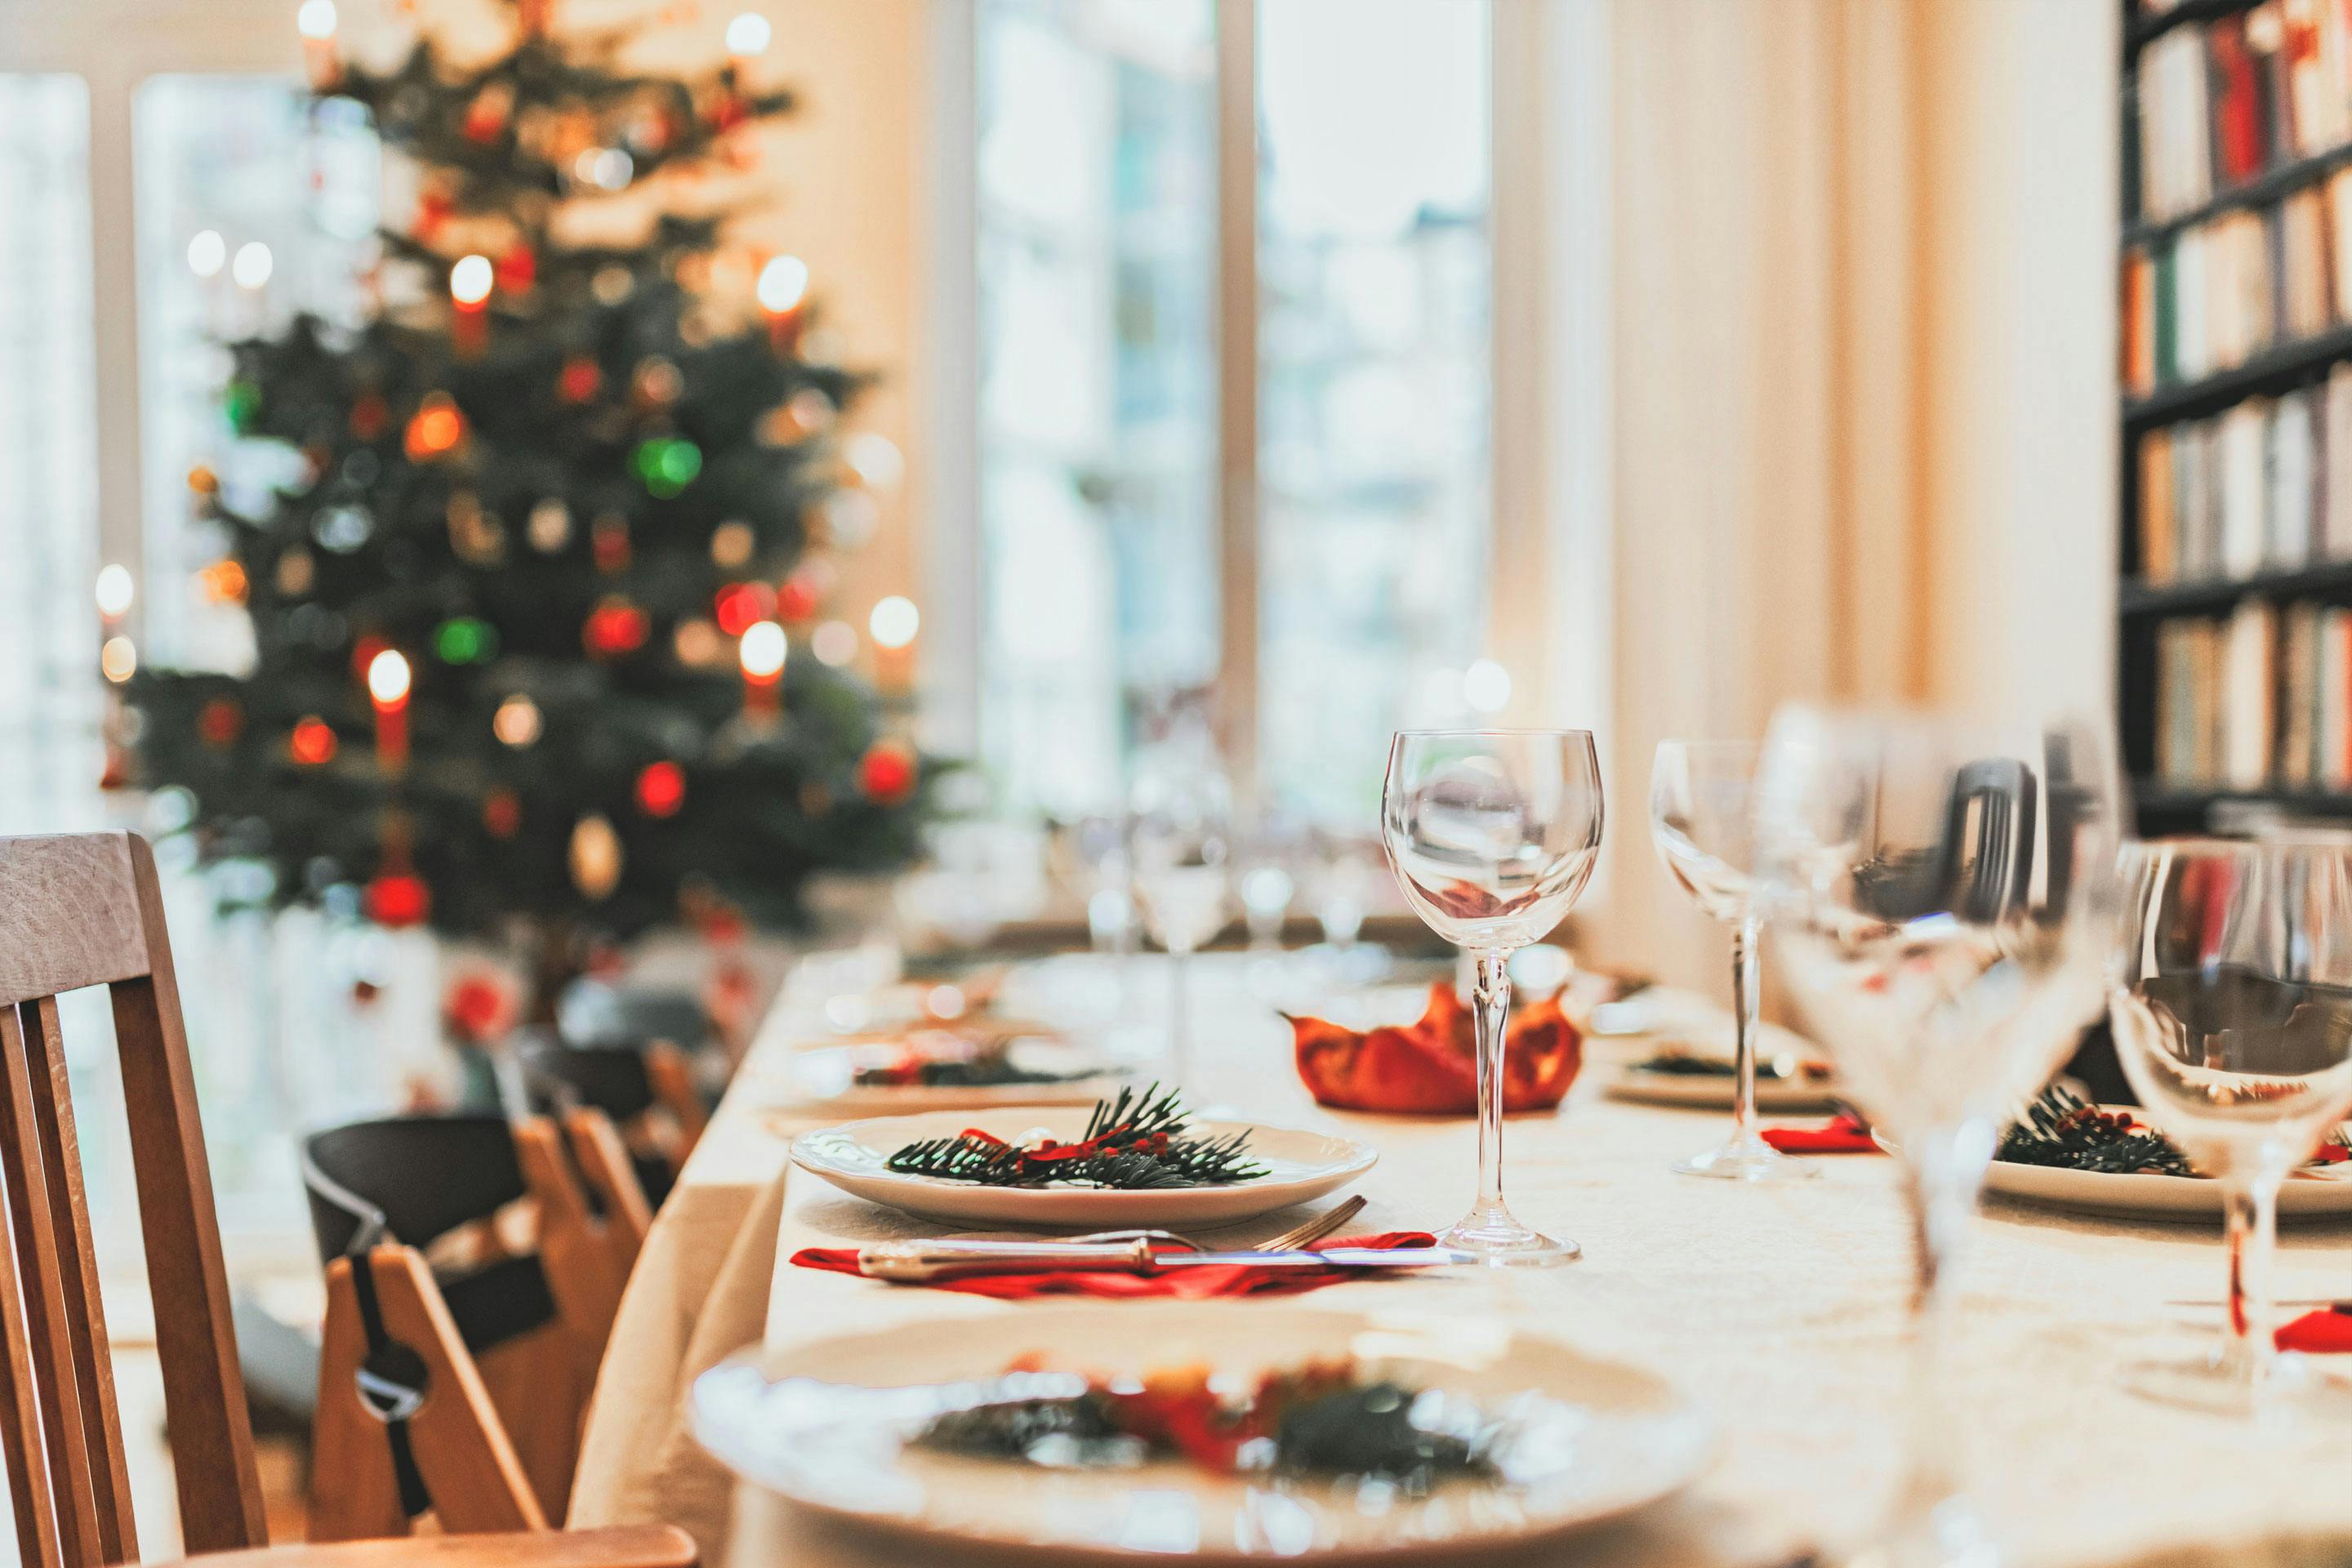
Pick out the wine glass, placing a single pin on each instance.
(1180, 842)
(1941, 896)
(1702, 823)
(1492, 835)
(2231, 1002)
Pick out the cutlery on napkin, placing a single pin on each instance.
(917, 1262)
(1170, 1272)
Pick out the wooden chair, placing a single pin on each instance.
(82, 910)
(413, 1208)
(646, 1090)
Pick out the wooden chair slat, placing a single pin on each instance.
(354, 1495)
(672, 1076)
(604, 1164)
(56, 1386)
(37, 1542)
(85, 1310)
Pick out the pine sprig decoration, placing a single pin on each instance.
(2061, 1130)
(1136, 1141)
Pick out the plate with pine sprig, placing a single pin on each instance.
(2102, 1159)
(1138, 1158)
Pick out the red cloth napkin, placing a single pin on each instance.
(1191, 1284)
(2317, 1334)
(1842, 1135)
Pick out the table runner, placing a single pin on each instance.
(1783, 1309)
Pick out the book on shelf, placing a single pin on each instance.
(2261, 700)
(2225, 100)
(2264, 486)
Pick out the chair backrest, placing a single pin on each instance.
(417, 1177)
(78, 910)
(612, 1078)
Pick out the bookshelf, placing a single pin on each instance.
(2234, 545)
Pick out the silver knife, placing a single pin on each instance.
(915, 1261)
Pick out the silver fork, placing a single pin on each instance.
(1292, 1240)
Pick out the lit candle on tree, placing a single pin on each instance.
(470, 287)
(893, 626)
(782, 287)
(761, 654)
(387, 682)
(315, 22)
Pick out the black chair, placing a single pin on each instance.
(624, 1082)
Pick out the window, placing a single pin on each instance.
(1104, 555)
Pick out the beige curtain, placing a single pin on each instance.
(1860, 387)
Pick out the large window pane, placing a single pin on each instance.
(1096, 201)
(252, 205)
(49, 698)
(1374, 386)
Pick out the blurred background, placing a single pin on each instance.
(1249, 378)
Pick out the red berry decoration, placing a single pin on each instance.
(518, 269)
(312, 742)
(739, 604)
(478, 1009)
(661, 789)
(886, 772)
(796, 601)
(397, 900)
(220, 721)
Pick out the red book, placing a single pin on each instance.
(2237, 101)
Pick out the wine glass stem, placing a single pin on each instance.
(1941, 1195)
(1746, 990)
(1491, 998)
(1179, 1014)
(2250, 1208)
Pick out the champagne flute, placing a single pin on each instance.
(1702, 825)
(1492, 835)
(1180, 843)
(1942, 897)
(2232, 1009)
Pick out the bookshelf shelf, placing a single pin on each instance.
(2262, 190)
(2275, 370)
(2138, 29)
(2207, 594)
(2172, 803)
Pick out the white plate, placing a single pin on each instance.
(2305, 1194)
(825, 1425)
(828, 1078)
(1712, 1092)
(1299, 1166)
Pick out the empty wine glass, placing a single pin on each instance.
(1492, 835)
(2232, 1009)
(1702, 823)
(1180, 842)
(1941, 897)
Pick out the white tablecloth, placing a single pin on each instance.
(1783, 1308)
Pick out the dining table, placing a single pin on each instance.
(1782, 1309)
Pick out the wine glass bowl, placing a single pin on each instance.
(2232, 1006)
(1492, 835)
(1702, 825)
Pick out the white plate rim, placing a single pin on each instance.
(1057, 1205)
(1709, 1092)
(752, 1362)
(2133, 1195)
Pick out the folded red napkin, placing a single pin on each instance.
(1842, 1135)
(1210, 1279)
(2317, 1334)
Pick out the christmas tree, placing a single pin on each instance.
(525, 622)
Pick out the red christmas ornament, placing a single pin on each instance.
(220, 721)
(796, 601)
(661, 789)
(580, 379)
(478, 1009)
(369, 415)
(312, 742)
(741, 605)
(397, 900)
(886, 772)
(615, 627)
(503, 814)
(518, 269)
(437, 427)
(486, 116)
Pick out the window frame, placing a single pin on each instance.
(1548, 184)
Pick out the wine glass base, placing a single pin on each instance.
(2293, 1388)
(1507, 1244)
(1748, 1160)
